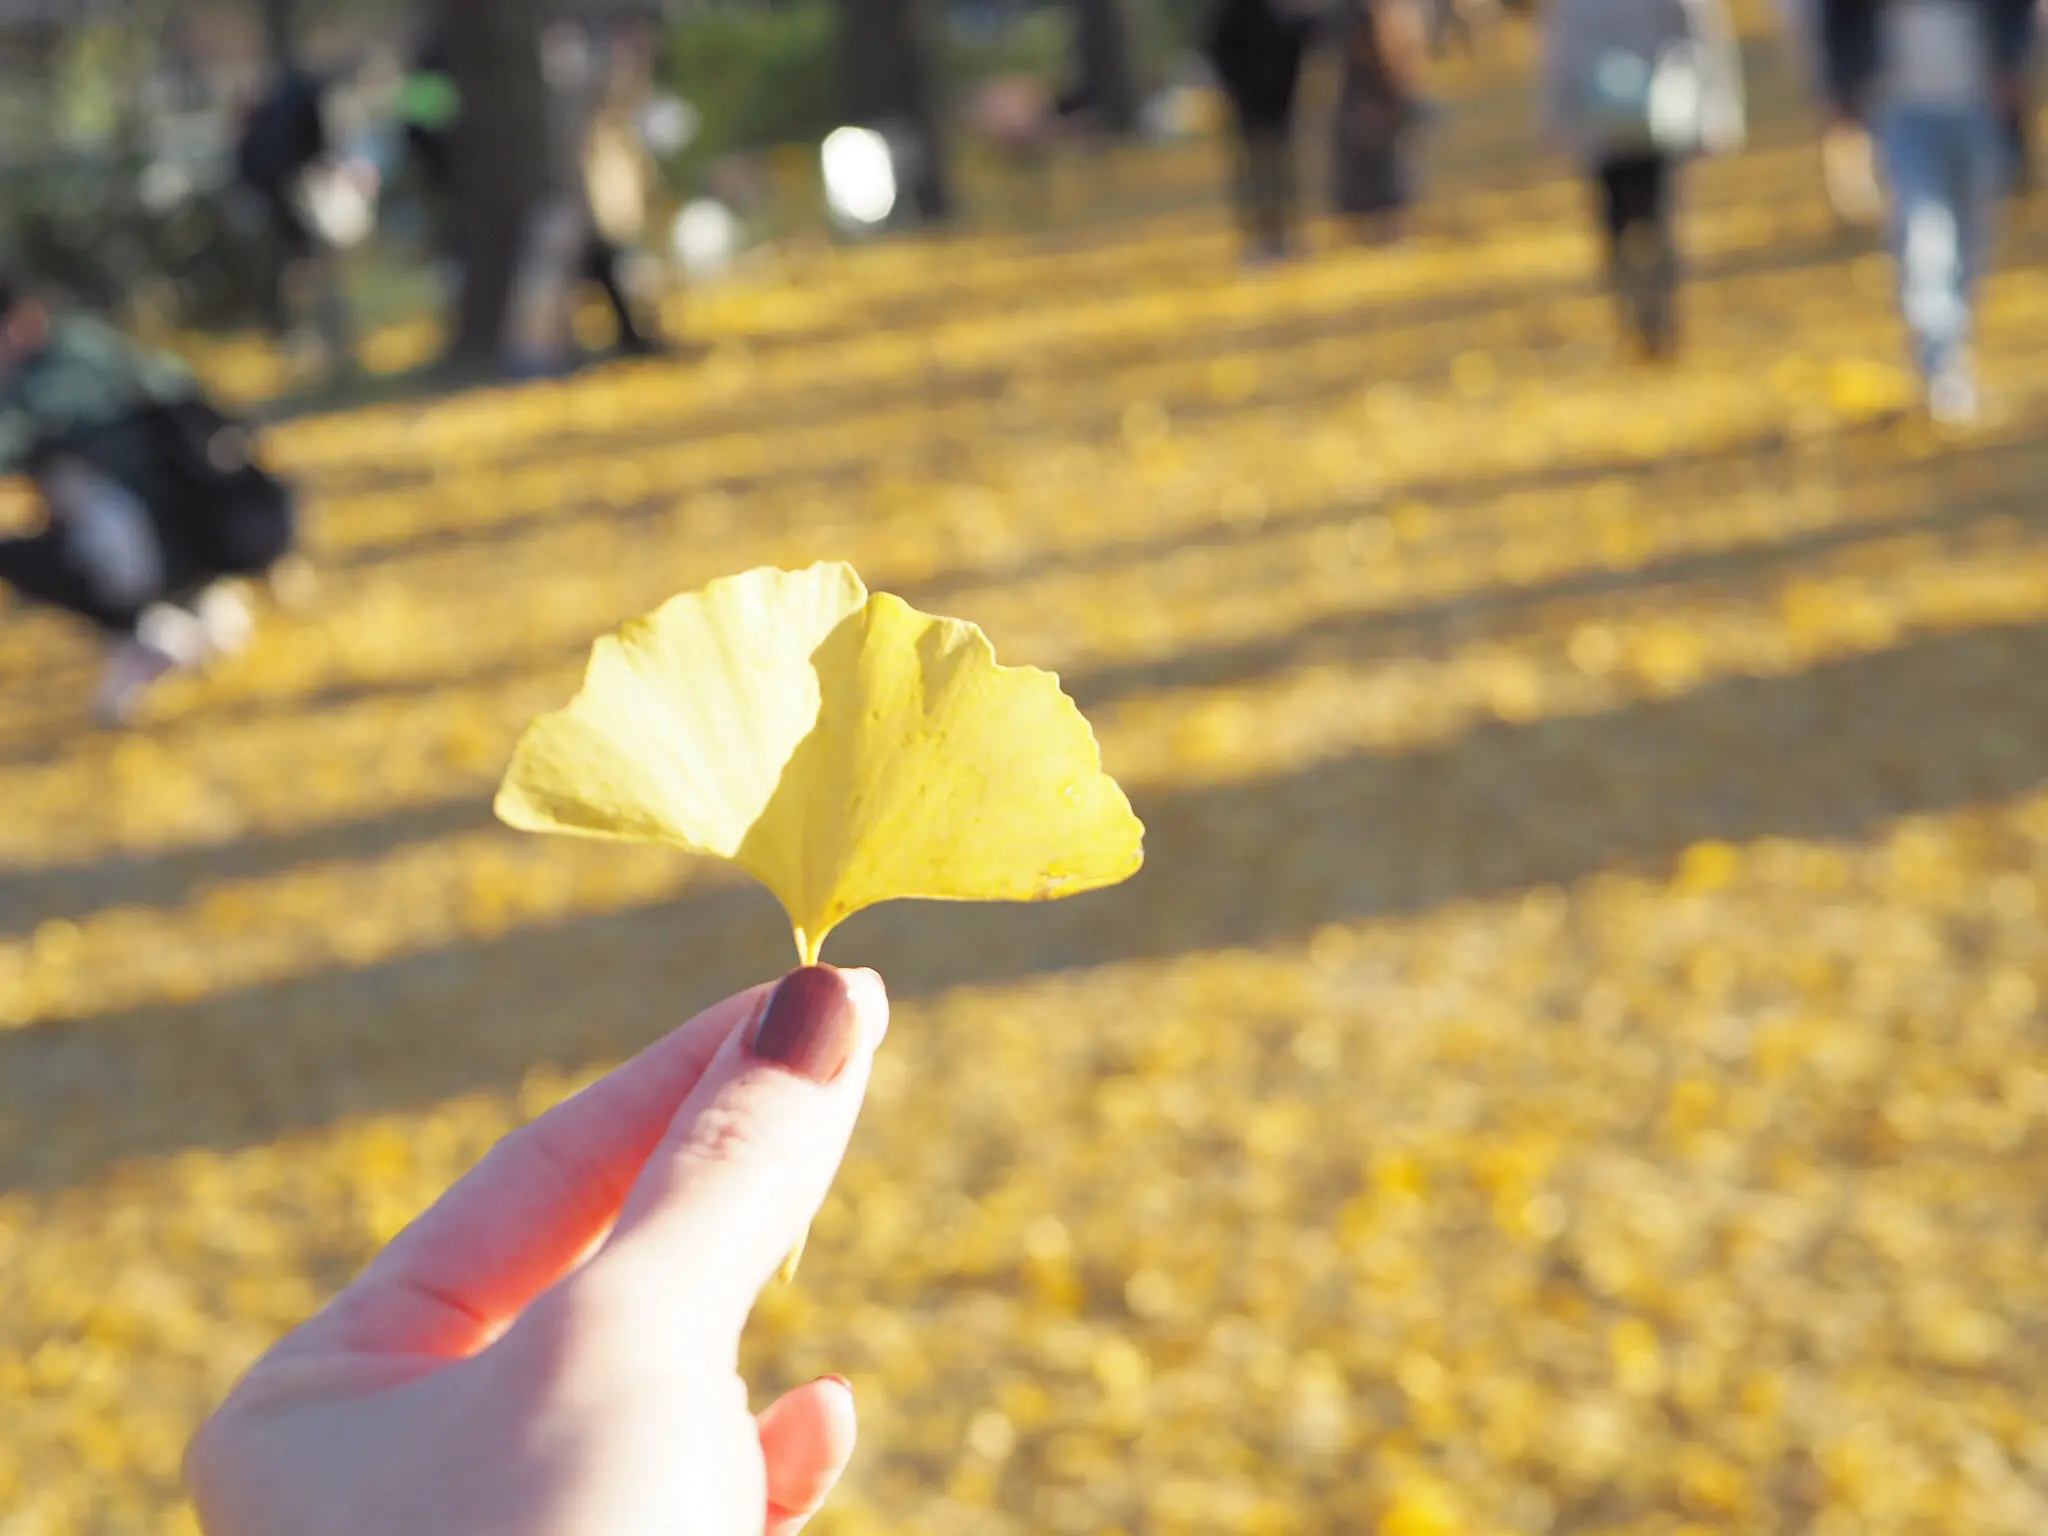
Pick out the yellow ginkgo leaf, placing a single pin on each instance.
(844, 749)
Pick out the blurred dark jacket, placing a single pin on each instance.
(1851, 57)
(284, 133)
(1256, 48)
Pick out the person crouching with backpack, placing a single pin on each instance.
(154, 502)
(1633, 88)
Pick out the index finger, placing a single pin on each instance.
(524, 1216)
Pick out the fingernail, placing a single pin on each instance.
(809, 1025)
(842, 1382)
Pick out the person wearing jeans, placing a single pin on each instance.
(1944, 167)
(1944, 158)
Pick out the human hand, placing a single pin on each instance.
(552, 1349)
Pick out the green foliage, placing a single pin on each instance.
(757, 77)
(1171, 26)
(1040, 43)
(763, 77)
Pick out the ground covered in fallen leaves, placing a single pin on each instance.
(1574, 1061)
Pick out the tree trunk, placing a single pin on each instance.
(887, 82)
(1109, 63)
(503, 172)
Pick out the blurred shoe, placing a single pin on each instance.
(1653, 344)
(225, 621)
(173, 631)
(1952, 399)
(133, 667)
(1645, 278)
(1657, 318)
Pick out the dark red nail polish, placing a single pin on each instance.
(809, 1024)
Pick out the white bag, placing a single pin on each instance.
(1645, 106)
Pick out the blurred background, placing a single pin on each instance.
(1563, 582)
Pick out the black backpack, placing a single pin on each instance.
(238, 518)
(283, 134)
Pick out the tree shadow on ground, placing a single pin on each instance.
(1833, 753)
(1390, 330)
(46, 717)
(1350, 637)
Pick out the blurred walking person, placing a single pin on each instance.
(1379, 111)
(154, 502)
(1256, 48)
(2014, 27)
(284, 149)
(618, 174)
(1845, 37)
(568, 241)
(1939, 87)
(1851, 47)
(1633, 88)
(429, 105)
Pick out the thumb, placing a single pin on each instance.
(807, 1438)
(747, 1160)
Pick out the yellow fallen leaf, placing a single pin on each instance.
(843, 749)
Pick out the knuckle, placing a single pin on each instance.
(727, 1134)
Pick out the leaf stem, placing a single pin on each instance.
(788, 1271)
(807, 949)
